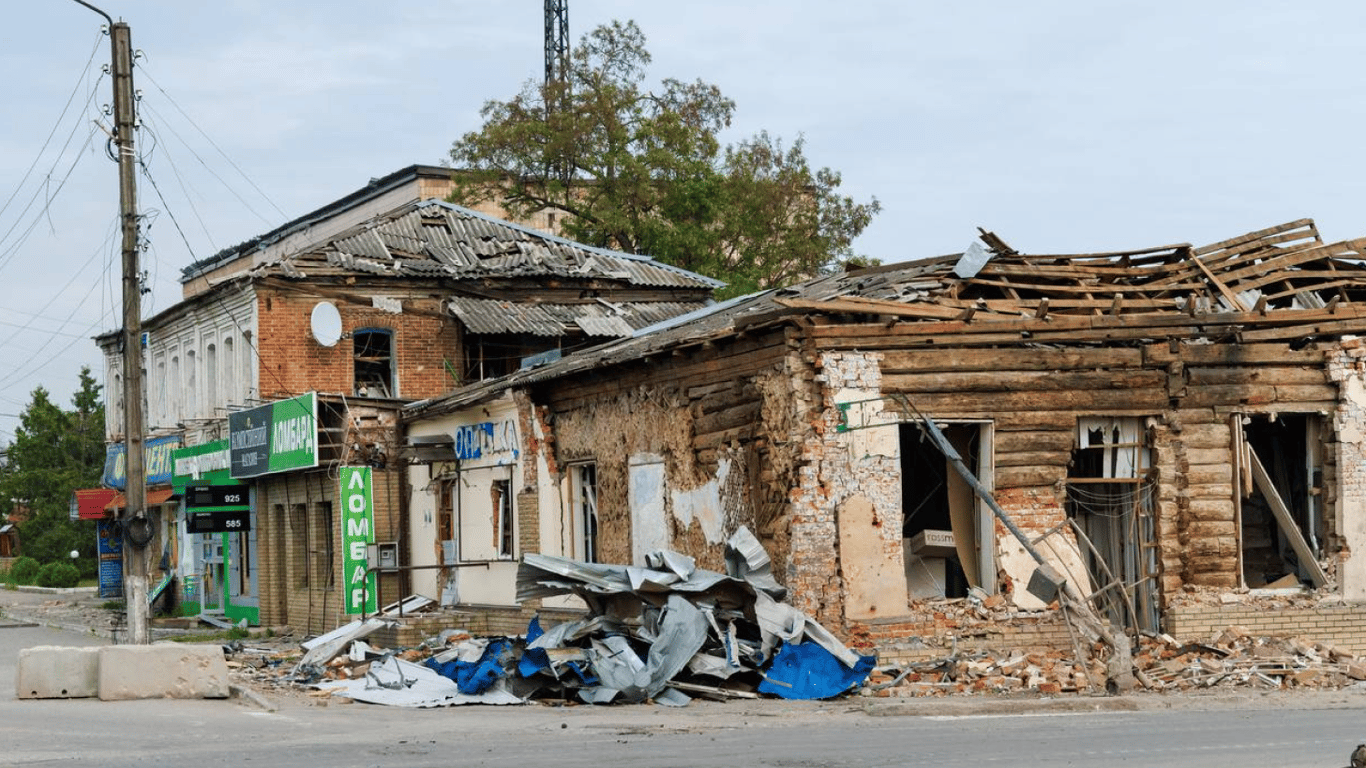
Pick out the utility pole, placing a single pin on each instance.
(137, 529)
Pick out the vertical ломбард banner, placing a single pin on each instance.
(358, 533)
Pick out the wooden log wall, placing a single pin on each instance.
(1187, 394)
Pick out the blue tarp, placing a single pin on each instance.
(807, 671)
(474, 677)
(533, 659)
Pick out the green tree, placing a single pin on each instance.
(644, 171)
(55, 452)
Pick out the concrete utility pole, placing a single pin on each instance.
(137, 529)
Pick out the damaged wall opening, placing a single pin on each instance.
(490, 355)
(374, 362)
(582, 523)
(1281, 465)
(1110, 500)
(943, 521)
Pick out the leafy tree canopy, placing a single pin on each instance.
(54, 452)
(643, 170)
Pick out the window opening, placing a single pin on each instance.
(584, 478)
(503, 525)
(1110, 501)
(942, 527)
(374, 371)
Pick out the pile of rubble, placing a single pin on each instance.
(663, 634)
(1161, 664)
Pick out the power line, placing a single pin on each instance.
(57, 294)
(7, 255)
(57, 124)
(142, 68)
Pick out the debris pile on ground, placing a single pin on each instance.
(663, 633)
(1162, 664)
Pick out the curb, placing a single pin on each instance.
(248, 696)
(53, 590)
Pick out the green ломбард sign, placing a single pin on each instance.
(358, 533)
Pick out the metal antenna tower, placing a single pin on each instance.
(556, 41)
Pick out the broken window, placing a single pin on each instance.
(374, 362)
(1110, 499)
(503, 525)
(1279, 498)
(948, 536)
(583, 521)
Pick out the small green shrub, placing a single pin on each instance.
(58, 575)
(24, 570)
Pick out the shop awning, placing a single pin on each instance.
(155, 496)
(91, 502)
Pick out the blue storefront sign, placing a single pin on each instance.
(157, 460)
(109, 543)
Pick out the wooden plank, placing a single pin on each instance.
(1021, 381)
(1196, 456)
(1033, 459)
(1229, 296)
(1262, 375)
(1262, 237)
(958, 359)
(1100, 402)
(1213, 435)
(1231, 354)
(1285, 520)
(1028, 477)
(1010, 441)
(1352, 325)
(872, 306)
(1227, 395)
(729, 418)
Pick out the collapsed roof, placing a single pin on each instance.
(1282, 284)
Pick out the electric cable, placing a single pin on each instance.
(57, 124)
(7, 254)
(142, 68)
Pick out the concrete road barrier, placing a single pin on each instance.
(56, 672)
(164, 670)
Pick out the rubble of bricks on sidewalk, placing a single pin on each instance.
(1232, 658)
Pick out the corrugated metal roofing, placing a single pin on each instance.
(434, 238)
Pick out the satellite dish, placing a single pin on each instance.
(326, 323)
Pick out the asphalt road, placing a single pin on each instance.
(1247, 733)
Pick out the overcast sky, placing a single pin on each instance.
(1062, 126)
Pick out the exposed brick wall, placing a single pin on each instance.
(293, 589)
(932, 634)
(831, 476)
(292, 362)
(1346, 485)
(1341, 625)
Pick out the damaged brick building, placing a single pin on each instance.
(1179, 430)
